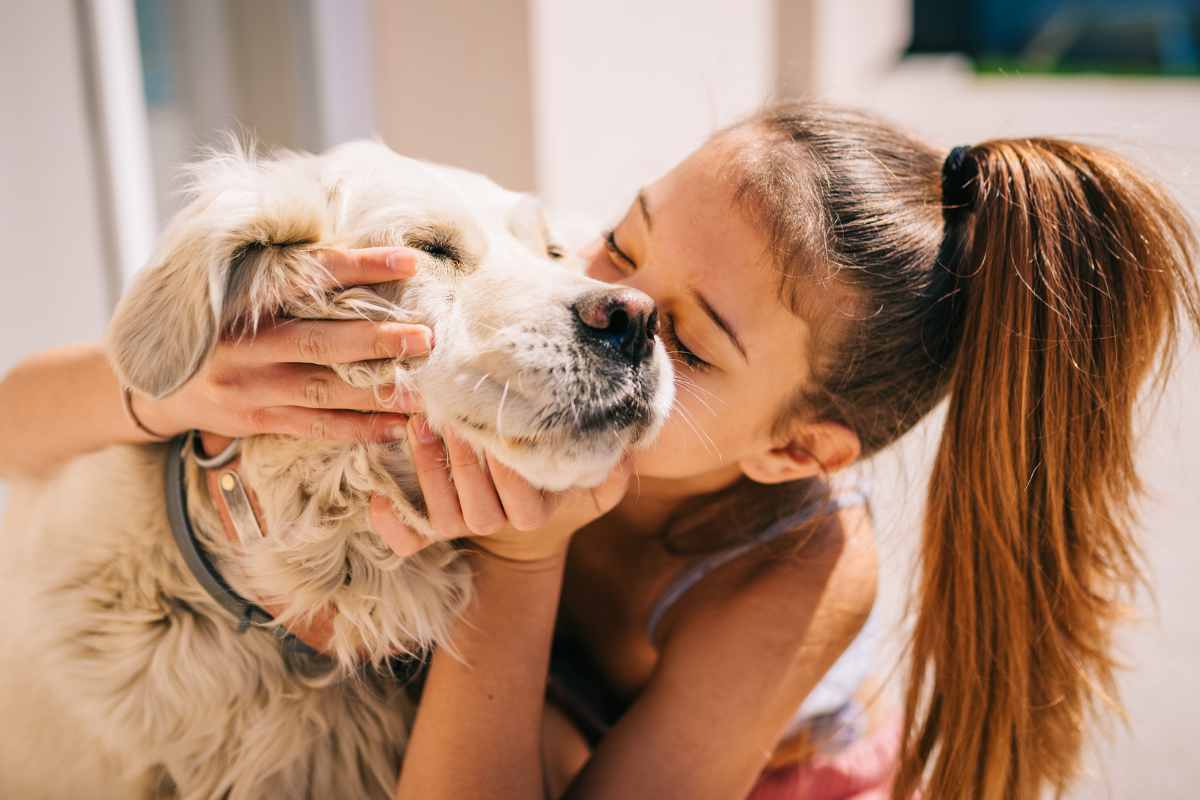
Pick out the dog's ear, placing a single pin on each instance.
(238, 252)
(165, 325)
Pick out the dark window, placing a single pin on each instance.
(1110, 36)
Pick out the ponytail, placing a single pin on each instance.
(1071, 276)
(1038, 284)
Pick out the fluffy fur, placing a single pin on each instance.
(119, 675)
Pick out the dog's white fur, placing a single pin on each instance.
(119, 676)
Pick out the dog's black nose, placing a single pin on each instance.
(625, 319)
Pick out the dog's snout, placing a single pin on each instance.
(624, 319)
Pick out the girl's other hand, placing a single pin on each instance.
(469, 497)
(279, 380)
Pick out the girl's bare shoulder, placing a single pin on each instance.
(824, 574)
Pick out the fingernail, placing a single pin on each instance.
(418, 341)
(397, 432)
(425, 434)
(402, 261)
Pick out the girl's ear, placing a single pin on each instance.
(812, 449)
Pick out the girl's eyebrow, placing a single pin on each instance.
(720, 322)
(645, 208)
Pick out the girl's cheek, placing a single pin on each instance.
(682, 449)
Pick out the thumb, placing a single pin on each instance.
(609, 493)
(403, 540)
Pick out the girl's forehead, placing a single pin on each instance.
(717, 249)
(692, 208)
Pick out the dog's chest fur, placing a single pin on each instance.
(150, 677)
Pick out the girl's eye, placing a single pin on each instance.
(615, 251)
(675, 346)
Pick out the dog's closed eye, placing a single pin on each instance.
(440, 242)
(438, 248)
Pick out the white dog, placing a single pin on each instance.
(120, 674)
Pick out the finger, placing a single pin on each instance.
(587, 505)
(343, 426)
(526, 507)
(477, 496)
(403, 540)
(433, 475)
(368, 264)
(313, 386)
(337, 341)
(609, 493)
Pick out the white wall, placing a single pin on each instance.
(54, 279)
(582, 101)
(453, 84)
(625, 88)
(831, 48)
(53, 276)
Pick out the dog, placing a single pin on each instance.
(120, 675)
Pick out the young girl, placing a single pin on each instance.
(824, 280)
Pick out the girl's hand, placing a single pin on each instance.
(279, 381)
(467, 497)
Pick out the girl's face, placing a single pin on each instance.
(738, 352)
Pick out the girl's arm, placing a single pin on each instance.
(65, 402)
(478, 731)
(57, 405)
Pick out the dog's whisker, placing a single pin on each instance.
(698, 399)
(683, 380)
(500, 411)
(704, 438)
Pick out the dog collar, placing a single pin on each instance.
(245, 611)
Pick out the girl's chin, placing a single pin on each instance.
(659, 461)
(652, 462)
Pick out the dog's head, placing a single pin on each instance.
(552, 372)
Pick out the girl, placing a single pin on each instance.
(824, 281)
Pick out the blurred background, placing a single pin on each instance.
(582, 102)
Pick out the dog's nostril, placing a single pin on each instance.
(618, 322)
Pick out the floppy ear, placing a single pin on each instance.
(164, 326)
(237, 252)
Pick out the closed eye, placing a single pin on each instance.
(437, 242)
(442, 249)
(676, 347)
(615, 251)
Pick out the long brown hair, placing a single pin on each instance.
(1040, 301)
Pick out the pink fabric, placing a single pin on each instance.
(863, 771)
